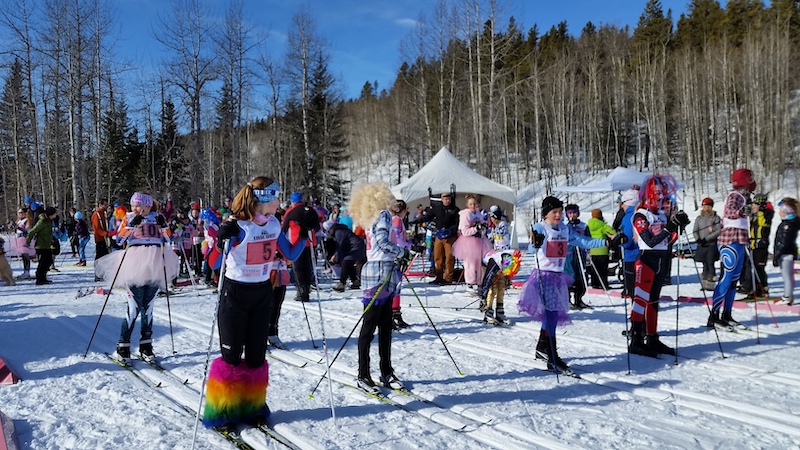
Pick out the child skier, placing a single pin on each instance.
(372, 206)
(786, 246)
(732, 240)
(655, 231)
(545, 295)
(82, 235)
(236, 392)
(142, 269)
(501, 266)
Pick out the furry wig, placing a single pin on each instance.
(368, 201)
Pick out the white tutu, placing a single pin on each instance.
(143, 265)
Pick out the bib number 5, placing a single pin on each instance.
(260, 252)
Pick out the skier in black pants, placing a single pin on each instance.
(302, 222)
(382, 273)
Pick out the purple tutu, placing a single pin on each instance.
(471, 247)
(534, 302)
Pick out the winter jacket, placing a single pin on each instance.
(468, 223)
(99, 225)
(298, 221)
(785, 239)
(707, 228)
(760, 228)
(598, 229)
(42, 232)
(349, 247)
(445, 217)
(81, 228)
(631, 247)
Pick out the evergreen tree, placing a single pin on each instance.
(170, 164)
(16, 140)
(122, 152)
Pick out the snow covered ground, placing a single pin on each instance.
(504, 400)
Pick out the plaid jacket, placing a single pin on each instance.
(734, 206)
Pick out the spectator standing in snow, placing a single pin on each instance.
(707, 227)
(576, 258)
(445, 215)
(761, 215)
(82, 236)
(472, 244)
(786, 246)
(598, 228)
(302, 222)
(43, 233)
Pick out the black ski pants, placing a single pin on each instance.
(303, 274)
(243, 314)
(377, 316)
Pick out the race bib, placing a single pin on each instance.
(260, 252)
(556, 249)
(147, 230)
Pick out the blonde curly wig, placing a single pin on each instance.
(368, 201)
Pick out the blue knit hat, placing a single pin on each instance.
(296, 197)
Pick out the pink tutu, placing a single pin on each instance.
(471, 247)
(534, 302)
(17, 247)
(143, 265)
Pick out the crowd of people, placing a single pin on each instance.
(253, 246)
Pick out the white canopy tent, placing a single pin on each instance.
(619, 179)
(444, 171)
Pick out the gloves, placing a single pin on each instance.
(136, 220)
(682, 218)
(776, 261)
(702, 241)
(538, 239)
(480, 227)
(402, 261)
(617, 240)
(161, 221)
(227, 230)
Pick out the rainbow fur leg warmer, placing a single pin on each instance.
(235, 394)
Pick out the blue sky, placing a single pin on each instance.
(363, 35)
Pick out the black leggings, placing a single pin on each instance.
(377, 316)
(243, 314)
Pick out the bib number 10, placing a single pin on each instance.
(260, 252)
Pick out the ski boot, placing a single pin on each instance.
(541, 345)
(488, 317)
(500, 314)
(554, 362)
(637, 345)
(397, 321)
(392, 382)
(123, 352)
(367, 385)
(276, 342)
(339, 287)
(731, 322)
(655, 344)
(714, 320)
(146, 351)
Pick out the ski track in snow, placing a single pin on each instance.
(505, 399)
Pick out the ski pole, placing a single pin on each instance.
(124, 253)
(585, 278)
(366, 308)
(625, 302)
(189, 270)
(166, 289)
(757, 279)
(411, 285)
(224, 257)
(324, 342)
(677, 298)
(305, 313)
(467, 305)
(705, 297)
